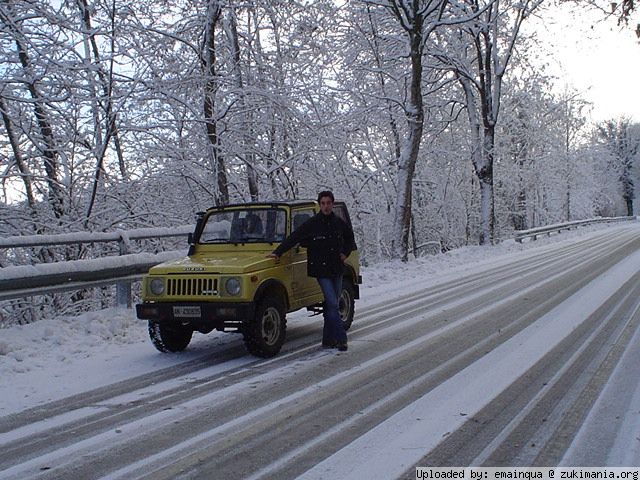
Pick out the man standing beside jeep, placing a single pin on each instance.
(329, 241)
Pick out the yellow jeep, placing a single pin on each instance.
(227, 283)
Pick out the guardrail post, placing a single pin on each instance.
(123, 294)
(123, 289)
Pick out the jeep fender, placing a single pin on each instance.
(272, 287)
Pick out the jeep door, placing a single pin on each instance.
(302, 285)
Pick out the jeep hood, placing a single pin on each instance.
(219, 262)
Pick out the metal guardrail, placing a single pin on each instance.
(534, 233)
(121, 270)
(44, 278)
(121, 236)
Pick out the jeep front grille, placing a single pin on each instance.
(192, 287)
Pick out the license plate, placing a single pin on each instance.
(186, 312)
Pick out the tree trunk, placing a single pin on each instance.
(106, 83)
(628, 189)
(486, 207)
(519, 217)
(409, 155)
(485, 175)
(208, 59)
(248, 156)
(376, 53)
(568, 203)
(25, 174)
(48, 147)
(482, 160)
(50, 152)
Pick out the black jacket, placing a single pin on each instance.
(326, 237)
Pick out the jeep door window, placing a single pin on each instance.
(341, 212)
(298, 217)
(340, 209)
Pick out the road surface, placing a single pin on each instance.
(526, 363)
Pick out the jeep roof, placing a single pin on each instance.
(269, 203)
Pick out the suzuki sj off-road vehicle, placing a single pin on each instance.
(227, 283)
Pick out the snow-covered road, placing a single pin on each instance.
(527, 356)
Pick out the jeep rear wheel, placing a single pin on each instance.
(169, 338)
(265, 333)
(346, 304)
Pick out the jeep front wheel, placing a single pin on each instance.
(346, 304)
(265, 333)
(169, 338)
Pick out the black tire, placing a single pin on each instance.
(347, 304)
(265, 333)
(169, 338)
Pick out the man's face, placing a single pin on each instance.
(326, 205)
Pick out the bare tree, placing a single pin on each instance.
(208, 59)
(622, 139)
(23, 168)
(46, 143)
(418, 19)
(479, 54)
(248, 132)
(103, 100)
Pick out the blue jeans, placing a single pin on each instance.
(333, 330)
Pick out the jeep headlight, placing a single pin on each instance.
(156, 286)
(232, 286)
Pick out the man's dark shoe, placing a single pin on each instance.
(330, 344)
(342, 346)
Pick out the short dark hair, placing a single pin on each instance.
(326, 193)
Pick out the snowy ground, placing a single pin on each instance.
(55, 358)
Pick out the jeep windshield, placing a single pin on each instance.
(249, 225)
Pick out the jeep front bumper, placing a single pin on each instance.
(206, 315)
